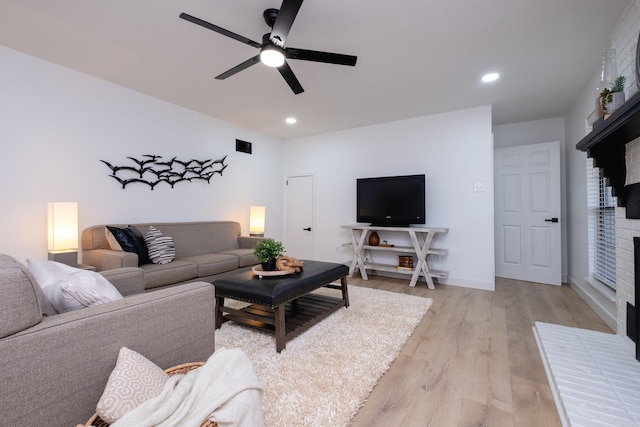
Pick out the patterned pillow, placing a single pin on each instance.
(134, 380)
(161, 248)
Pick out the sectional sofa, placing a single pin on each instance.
(55, 366)
(203, 250)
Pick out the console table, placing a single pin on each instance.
(422, 239)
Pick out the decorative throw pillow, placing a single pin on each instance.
(133, 380)
(111, 240)
(68, 288)
(131, 240)
(161, 248)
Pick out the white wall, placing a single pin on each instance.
(531, 132)
(56, 126)
(454, 150)
(624, 40)
(534, 132)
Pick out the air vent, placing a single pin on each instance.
(243, 146)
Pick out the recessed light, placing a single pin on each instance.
(491, 77)
(291, 120)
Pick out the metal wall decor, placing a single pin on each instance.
(152, 170)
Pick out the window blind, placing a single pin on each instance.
(602, 227)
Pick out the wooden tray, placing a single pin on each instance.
(258, 271)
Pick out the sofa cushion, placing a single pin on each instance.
(156, 275)
(161, 248)
(134, 380)
(131, 240)
(68, 288)
(245, 257)
(21, 308)
(209, 264)
(197, 238)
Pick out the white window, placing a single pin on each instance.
(602, 227)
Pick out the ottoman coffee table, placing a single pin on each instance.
(282, 304)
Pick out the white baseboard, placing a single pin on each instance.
(449, 281)
(599, 303)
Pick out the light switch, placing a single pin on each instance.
(478, 187)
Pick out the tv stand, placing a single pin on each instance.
(422, 239)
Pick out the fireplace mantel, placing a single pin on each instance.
(606, 144)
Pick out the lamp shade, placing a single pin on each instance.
(63, 226)
(256, 220)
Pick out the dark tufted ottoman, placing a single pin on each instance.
(282, 304)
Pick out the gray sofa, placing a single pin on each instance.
(203, 251)
(54, 368)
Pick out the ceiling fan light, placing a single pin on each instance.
(272, 56)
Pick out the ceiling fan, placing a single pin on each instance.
(272, 49)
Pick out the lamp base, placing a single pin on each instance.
(64, 257)
(256, 234)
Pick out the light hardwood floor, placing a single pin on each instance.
(473, 360)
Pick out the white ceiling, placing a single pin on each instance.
(415, 57)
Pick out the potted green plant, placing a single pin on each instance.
(267, 251)
(612, 99)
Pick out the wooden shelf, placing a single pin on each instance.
(440, 274)
(421, 238)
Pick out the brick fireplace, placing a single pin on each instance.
(615, 148)
(628, 246)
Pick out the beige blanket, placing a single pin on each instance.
(225, 389)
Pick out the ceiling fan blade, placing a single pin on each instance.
(243, 66)
(220, 30)
(290, 78)
(314, 55)
(284, 21)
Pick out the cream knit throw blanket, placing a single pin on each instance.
(225, 389)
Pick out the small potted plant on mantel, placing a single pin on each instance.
(612, 99)
(267, 251)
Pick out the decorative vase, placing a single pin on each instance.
(374, 239)
(608, 74)
(269, 265)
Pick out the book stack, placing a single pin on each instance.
(405, 263)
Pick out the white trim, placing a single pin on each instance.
(605, 290)
(562, 412)
(595, 301)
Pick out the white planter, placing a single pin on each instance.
(616, 102)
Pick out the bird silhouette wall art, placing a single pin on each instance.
(152, 170)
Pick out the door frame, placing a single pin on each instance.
(563, 201)
(285, 201)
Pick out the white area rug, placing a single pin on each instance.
(324, 375)
(594, 376)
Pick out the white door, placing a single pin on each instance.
(299, 216)
(527, 213)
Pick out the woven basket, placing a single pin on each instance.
(180, 369)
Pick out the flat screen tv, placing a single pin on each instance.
(391, 200)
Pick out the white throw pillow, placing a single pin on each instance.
(133, 380)
(69, 288)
